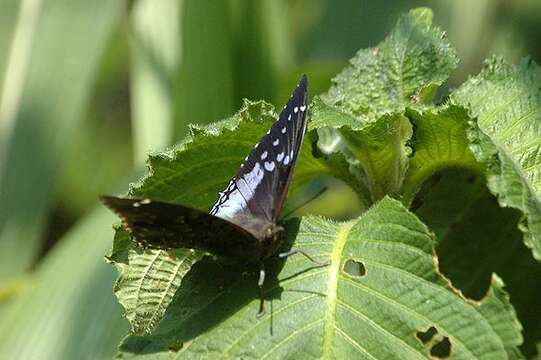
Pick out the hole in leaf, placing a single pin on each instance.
(442, 349)
(354, 268)
(426, 336)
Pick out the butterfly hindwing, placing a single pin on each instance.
(261, 184)
(164, 225)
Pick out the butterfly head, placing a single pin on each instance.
(271, 239)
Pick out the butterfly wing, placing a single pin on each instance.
(251, 202)
(164, 225)
(258, 191)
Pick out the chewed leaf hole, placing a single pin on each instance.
(442, 349)
(439, 345)
(426, 336)
(354, 268)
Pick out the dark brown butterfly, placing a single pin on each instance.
(243, 221)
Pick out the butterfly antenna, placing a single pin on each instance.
(315, 196)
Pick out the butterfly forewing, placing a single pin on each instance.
(258, 191)
(163, 225)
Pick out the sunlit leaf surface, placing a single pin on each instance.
(506, 100)
(406, 67)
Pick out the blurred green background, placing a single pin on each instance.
(87, 88)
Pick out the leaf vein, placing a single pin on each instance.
(363, 316)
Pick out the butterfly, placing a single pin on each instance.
(242, 224)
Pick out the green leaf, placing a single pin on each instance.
(66, 310)
(367, 101)
(469, 226)
(440, 142)
(378, 148)
(42, 104)
(378, 298)
(325, 115)
(381, 150)
(148, 280)
(506, 100)
(192, 173)
(405, 68)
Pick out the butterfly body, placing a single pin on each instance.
(242, 224)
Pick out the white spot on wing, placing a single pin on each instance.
(280, 156)
(296, 109)
(146, 201)
(289, 117)
(264, 155)
(269, 165)
(276, 142)
(284, 130)
(286, 160)
(233, 199)
(303, 107)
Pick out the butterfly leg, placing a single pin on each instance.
(260, 283)
(294, 252)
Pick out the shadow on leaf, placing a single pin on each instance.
(211, 292)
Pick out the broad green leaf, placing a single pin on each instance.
(195, 170)
(155, 49)
(406, 67)
(440, 141)
(66, 310)
(45, 105)
(378, 148)
(381, 292)
(477, 237)
(404, 70)
(192, 173)
(148, 280)
(506, 100)
(325, 115)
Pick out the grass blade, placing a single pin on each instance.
(155, 50)
(53, 96)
